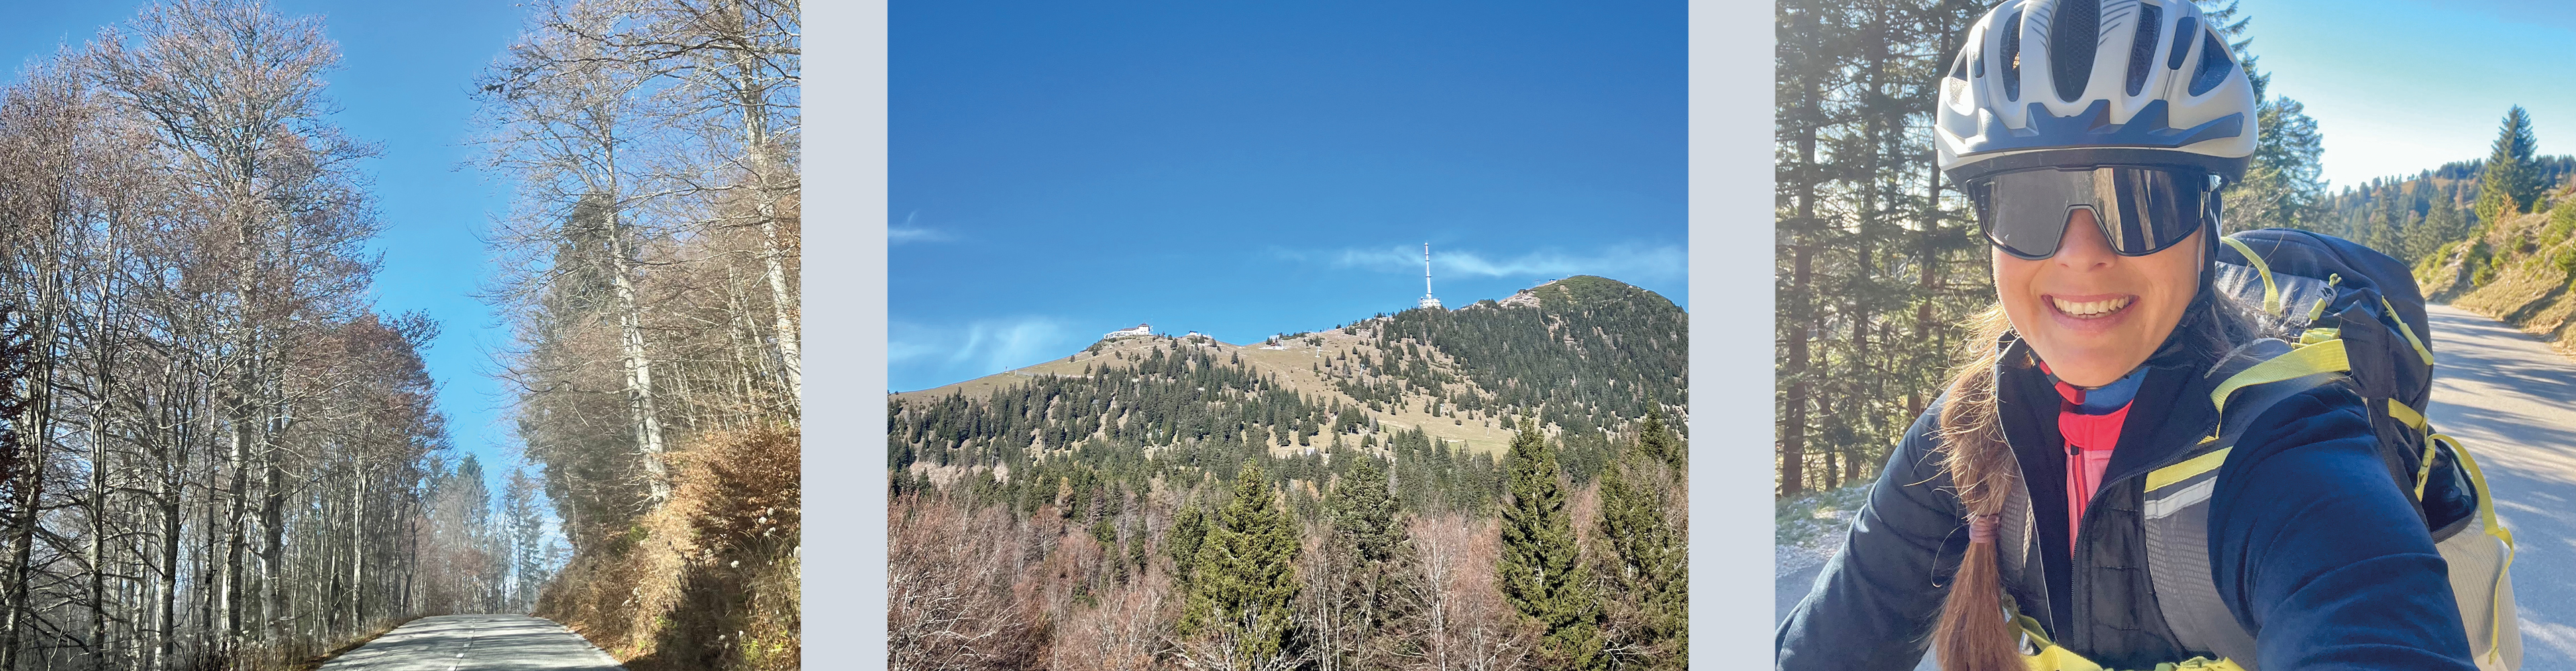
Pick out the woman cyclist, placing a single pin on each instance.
(2092, 137)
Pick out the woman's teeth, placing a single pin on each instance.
(2090, 309)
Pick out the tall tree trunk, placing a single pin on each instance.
(272, 548)
(34, 427)
(638, 365)
(357, 549)
(168, 590)
(639, 383)
(103, 402)
(1796, 360)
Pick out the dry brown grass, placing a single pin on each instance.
(707, 581)
(2528, 289)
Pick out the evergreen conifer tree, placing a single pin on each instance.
(1644, 565)
(1370, 552)
(2510, 183)
(1656, 440)
(1239, 613)
(1189, 527)
(1539, 568)
(2283, 187)
(2443, 223)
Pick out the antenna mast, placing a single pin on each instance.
(1427, 300)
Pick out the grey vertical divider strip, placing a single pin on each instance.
(844, 545)
(1732, 357)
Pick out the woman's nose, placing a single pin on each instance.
(2083, 246)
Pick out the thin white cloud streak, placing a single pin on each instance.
(1626, 261)
(899, 235)
(910, 232)
(979, 348)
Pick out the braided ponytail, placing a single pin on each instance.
(1972, 634)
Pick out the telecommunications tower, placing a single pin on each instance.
(1427, 300)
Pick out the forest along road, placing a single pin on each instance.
(2512, 402)
(476, 643)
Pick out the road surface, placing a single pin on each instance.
(476, 643)
(2512, 402)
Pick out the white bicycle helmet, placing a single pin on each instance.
(2070, 83)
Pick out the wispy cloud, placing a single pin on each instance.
(1629, 261)
(912, 232)
(926, 356)
(899, 235)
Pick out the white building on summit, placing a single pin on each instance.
(1427, 300)
(1139, 330)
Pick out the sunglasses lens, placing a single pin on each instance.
(2026, 211)
(2150, 210)
(2140, 210)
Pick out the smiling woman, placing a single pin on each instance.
(2094, 311)
(2073, 493)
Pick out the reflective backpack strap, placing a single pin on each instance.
(2177, 505)
(2176, 517)
(2014, 541)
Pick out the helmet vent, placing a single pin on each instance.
(2181, 44)
(1956, 86)
(2214, 64)
(2142, 51)
(2073, 32)
(2012, 57)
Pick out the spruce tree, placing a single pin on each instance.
(2511, 182)
(1644, 563)
(1369, 547)
(1539, 568)
(2283, 187)
(1657, 441)
(1189, 528)
(2443, 223)
(1239, 613)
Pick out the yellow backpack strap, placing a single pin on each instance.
(2320, 310)
(2271, 294)
(2487, 520)
(2047, 655)
(2420, 350)
(2306, 360)
(2405, 414)
(2415, 420)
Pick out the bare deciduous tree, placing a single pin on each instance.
(213, 450)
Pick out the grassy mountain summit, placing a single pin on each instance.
(1375, 493)
(1588, 357)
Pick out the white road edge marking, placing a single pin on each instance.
(460, 654)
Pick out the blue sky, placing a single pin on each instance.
(1059, 170)
(2399, 86)
(405, 70)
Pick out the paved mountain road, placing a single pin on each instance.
(476, 643)
(2512, 402)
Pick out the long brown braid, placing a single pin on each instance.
(1972, 634)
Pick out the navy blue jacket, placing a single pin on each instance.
(2314, 547)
